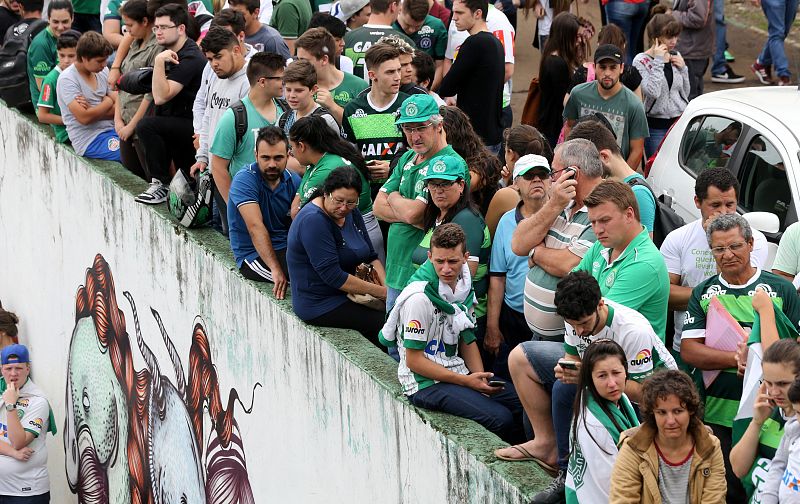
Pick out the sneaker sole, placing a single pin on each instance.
(761, 78)
(150, 201)
(726, 80)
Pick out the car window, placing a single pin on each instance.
(709, 142)
(762, 177)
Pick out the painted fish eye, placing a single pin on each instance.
(86, 402)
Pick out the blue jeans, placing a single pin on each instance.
(630, 17)
(563, 399)
(500, 413)
(543, 357)
(780, 16)
(652, 142)
(719, 64)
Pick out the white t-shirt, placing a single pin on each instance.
(643, 348)
(686, 253)
(501, 28)
(26, 478)
(546, 21)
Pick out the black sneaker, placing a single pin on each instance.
(555, 493)
(727, 77)
(155, 194)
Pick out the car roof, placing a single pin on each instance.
(782, 103)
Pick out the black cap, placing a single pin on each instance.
(608, 52)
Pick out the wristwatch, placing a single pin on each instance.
(11, 407)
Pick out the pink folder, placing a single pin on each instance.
(722, 333)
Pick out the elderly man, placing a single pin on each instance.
(505, 320)
(558, 236)
(402, 199)
(737, 288)
(25, 418)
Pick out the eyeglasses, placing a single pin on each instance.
(440, 186)
(410, 130)
(556, 174)
(541, 175)
(161, 28)
(733, 247)
(337, 202)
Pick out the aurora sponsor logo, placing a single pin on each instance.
(643, 357)
(414, 327)
(712, 291)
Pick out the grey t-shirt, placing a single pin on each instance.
(70, 85)
(673, 481)
(268, 39)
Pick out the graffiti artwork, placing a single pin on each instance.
(133, 436)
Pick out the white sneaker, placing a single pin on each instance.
(155, 194)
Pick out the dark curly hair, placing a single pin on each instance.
(469, 145)
(577, 295)
(664, 384)
(719, 177)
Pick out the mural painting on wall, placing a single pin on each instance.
(133, 436)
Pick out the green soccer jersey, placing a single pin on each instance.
(373, 129)
(86, 6)
(431, 37)
(479, 245)
(724, 393)
(42, 57)
(224, 144)
(637, 278)
(406, 178)
(357, 42)
(350, 87)
(48, 100)
(291, 17)
(769, 438)
(316, 174)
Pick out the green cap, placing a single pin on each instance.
(417, 108)
(446, 168)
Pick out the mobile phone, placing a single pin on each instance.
(568, 364)
(674, 52)
(497, 383)
(572, 171)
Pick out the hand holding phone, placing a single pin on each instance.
(568, 364)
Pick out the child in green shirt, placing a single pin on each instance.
(47, 109)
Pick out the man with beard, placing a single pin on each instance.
(259, 201)
(623, 109)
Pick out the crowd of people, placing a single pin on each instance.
(364, 160)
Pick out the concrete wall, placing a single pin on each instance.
(320, 417)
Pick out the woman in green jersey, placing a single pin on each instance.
(752, 453)
(316, 146)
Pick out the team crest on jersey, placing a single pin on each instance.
(411, 109)
(439, 167)
(713, 291)
(359, 113)
(113, 144)
(419, 186)
(766, 288)
(425, 43)
(610, 278)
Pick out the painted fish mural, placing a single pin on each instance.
(133, 436)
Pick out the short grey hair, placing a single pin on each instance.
(583, 154)
(726, 222)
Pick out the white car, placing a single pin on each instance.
(750, 131)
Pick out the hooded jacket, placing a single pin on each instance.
(696, 40)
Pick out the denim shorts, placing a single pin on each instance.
(543, 357)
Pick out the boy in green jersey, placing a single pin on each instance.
(47, 110)
(428, 32)
(335, 88)
(42, 52)
(369, 120)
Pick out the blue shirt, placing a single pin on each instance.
(248, 186)
(507, 263)
(320, 259)
(647, 204)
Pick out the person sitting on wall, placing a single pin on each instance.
(26, 419)
(258, 211)
(432, 324)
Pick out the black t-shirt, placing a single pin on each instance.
(477, 77)
(189, 72)
(7, 19)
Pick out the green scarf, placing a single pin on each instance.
(51, 420)
(624, 415)
(426, 273)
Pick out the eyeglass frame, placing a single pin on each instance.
(410, 130)
(720, 251)
(162, 28)
(340, 202)
(556, 174)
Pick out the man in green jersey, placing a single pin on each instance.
(47, 110)
(42, 52)
(624, 260)
(731, 241)
(369, 120)
(358, 41)
(428, 32)
(335, 88)
(403, 198)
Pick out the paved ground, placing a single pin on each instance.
(746, 36)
